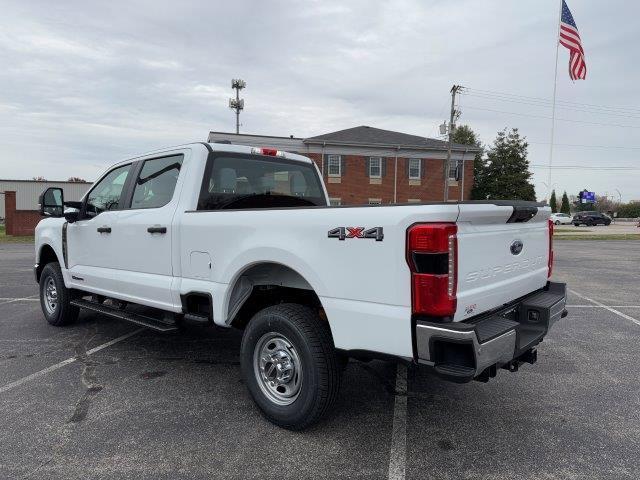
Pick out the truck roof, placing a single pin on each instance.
(228, 147)
(216, 147)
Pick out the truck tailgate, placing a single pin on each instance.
(503, 254)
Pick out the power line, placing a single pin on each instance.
(624, 147)
(545, 105)
(545, 100)
(587, 167)
(560, 119)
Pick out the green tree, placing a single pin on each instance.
(629, 210)
(504, 173)
(565, 207)
(464, 135)
(553, 202)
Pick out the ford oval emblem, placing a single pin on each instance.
(516, 247)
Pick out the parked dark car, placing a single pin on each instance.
(590, 219)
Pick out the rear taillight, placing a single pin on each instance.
(550, 264)
(432, 251)
(272, 152)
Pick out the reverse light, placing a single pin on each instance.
(432, 250)
(272, 152)
(550, 264)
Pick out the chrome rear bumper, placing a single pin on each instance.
(475, 348)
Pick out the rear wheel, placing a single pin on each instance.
(55, 297)
(290, 365)
(557, 222)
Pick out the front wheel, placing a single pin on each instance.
(55, 297)
(290, 365)
(557, 222)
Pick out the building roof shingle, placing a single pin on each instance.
(365, 135)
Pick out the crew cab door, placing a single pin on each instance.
(89, 243)
(142, 243)
(124, 250)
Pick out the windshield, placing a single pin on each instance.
(253, 181)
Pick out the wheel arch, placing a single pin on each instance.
(263, 284)
(46, 254)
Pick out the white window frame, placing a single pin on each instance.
(329, 160)
(379, 162)
(419, 169)
(375, 201)
(335, 201)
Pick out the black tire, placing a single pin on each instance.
(557, 222)
(590, 223)
(310, 339)
(62, 312)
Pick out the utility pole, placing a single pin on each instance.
(454, 114)
(237, 103)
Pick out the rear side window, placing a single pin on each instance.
(237, 181)
(157, 181)
(105, 195)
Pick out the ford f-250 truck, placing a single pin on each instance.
(244, 237)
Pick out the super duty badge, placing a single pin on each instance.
(356, 232)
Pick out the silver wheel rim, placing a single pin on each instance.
(50, 295)
(277, 368)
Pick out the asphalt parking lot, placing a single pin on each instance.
(104, 399)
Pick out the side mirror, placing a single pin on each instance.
(52, 202)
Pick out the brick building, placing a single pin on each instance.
(363, 164)
(19, 202)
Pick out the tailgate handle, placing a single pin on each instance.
(522, 214)
(157, 229)
(104, 229)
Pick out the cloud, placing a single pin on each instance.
(85, 84)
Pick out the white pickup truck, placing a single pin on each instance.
(244, 237)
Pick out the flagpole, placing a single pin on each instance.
(553, 108)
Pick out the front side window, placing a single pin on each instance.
(375, 167)
(105, 195)
(334, 168)
(156, 182)
(238, 181)
(414, 168)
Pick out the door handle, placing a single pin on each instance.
(157, 229)
(104, 229)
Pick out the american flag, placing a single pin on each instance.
(570, 38)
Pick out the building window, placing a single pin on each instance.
(415, 166)
(413, 200)
(375, 167)
(375, 201)
(454, 170)
(334, 167)
(335, 202)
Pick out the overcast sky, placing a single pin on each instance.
(85, 84)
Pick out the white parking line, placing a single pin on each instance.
(31, 298)
(63, 363)
(601, 306)
(398, 452)
(606, 307)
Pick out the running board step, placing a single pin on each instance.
(138, 319)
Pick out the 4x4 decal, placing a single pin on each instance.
(356, 232)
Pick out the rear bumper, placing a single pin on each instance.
(476, 348)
